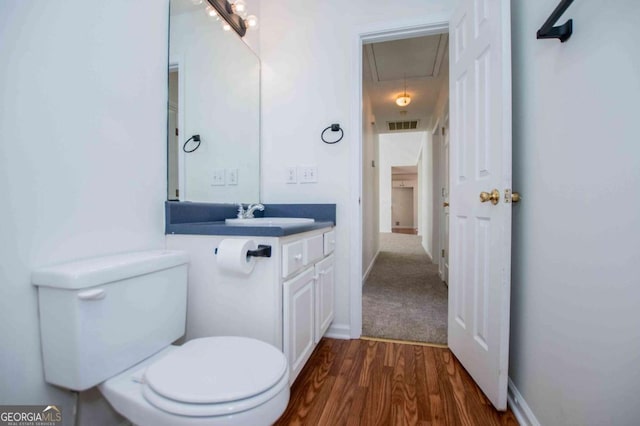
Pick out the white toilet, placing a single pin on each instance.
(110, 321)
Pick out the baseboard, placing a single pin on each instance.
(520, 407)
(368, 271)
(426, 249)
(339, 331)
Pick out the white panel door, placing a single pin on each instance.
(298, 318)
(480, 232)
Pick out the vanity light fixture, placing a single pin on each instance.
(234, 15)
(405, 99)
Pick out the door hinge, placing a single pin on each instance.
(177, 132)
(442, 253)
(177, 192)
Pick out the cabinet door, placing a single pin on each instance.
(324, 296)
(299, 320)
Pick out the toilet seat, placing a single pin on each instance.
(216, 376)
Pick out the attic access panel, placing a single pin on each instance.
(420, 57)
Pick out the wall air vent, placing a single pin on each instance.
(403, 125)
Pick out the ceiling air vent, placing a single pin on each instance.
(403, 125)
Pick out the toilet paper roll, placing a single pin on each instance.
(232, 255)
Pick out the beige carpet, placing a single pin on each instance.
(403, 297)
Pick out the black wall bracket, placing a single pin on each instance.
(562, 32)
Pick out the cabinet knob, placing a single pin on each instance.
(298, 257)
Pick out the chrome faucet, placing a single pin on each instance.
(240, 214)
(248, 214)
(252, 208)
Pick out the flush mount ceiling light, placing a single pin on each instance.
(404, 99)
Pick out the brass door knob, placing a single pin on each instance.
(494, 197)
(445, 204)
(515, 197)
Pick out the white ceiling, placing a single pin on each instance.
(424, 61)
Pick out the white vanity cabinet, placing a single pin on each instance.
(299, 320)
(287, 300)
(308, 295)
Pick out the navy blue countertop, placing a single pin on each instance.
(208, 219)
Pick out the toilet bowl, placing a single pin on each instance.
(206, 381)
(110, 322)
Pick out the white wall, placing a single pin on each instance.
(308, 83)
(370, 193)
(83, 88)
(396, 149)
(575, 334)
(403, 207)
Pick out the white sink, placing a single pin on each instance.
(269, 221)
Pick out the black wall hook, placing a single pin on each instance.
(562, 32)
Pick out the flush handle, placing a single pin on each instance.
(95, 294)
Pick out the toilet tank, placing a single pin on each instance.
(101, 316)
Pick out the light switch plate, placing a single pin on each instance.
(308, 174)
(292, 175)
(218, 177)
(232, 176)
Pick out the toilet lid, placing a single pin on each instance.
(216, 370)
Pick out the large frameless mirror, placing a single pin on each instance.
(213, 110)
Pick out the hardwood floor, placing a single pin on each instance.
(361, 382)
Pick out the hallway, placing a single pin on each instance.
(403, 297)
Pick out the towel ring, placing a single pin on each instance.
(334, 128)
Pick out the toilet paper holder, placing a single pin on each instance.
(261, 251)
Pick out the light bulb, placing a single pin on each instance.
(197, 2)
(251, 21)
(226, 27)
(403, 100)
(211, 11)
(240, 7)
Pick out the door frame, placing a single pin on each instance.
(176, 63)
(443, 267)
(438, 24)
